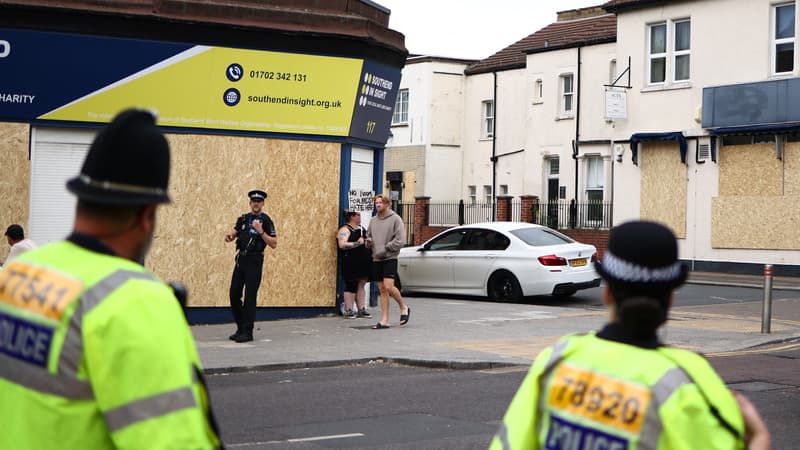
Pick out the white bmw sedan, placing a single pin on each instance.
(500, 260)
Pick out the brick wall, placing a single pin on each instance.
(598, 238)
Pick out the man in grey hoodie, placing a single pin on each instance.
(386, 236)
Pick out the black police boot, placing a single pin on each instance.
(238, 332)
(244, 337)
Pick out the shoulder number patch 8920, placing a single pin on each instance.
(615, 403)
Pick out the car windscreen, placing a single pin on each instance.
(539, 237)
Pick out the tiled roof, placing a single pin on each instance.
(364, 19)
(562, 34)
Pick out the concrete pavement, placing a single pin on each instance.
(482, 334)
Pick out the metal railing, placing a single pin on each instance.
(563, 214)
(558, 214)
(406, 212)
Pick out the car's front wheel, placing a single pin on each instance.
(503, 285)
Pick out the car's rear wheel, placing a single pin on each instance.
(503, 285)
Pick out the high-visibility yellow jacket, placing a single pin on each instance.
(95, 353)
(590, 393)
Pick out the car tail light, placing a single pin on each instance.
(594, 257)
(552, 260)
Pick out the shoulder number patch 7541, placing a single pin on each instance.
(37, 289)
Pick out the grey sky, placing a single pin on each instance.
(472, 29)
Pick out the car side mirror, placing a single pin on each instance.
(424, 248)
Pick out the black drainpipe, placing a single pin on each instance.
(576, 144)
(494, 149)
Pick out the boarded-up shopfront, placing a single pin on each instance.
(296, 100)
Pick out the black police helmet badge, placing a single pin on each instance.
(128, 163)
(257, 195)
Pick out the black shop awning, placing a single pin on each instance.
(636, 138)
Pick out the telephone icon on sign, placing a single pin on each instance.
(234, 72)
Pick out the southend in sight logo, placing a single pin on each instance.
(234, 73)
(362, 99)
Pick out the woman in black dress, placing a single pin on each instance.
(356, 262)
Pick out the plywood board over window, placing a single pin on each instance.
(759, 202)
(211, 176)
(750, 170)
(763, 223)
(791, 168)
(663, 185)
(15, 182)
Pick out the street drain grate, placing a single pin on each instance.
(756, 386)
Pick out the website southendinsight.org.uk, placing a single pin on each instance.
(296, 101)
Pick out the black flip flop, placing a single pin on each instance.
(380, 326)
(404, 317)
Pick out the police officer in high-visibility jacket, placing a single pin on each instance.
(95, 352)
(620, 388)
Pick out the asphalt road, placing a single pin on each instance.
(385, 406)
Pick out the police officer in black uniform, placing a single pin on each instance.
(253, 232)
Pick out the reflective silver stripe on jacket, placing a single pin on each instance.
(502, 435)
(662, 390)
(72, 349)
(147, 408)
(555, 357)
(39, 379)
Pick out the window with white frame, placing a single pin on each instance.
(487, 193)
(594, 178)
(567, 87)
(487, 107)
(503, 188)
(783, 38)
(681, 50)
(538, 88)
(657, 53)
(552, 166)
(400, 115)
(471, 193)
(673, 59)
(594, 188)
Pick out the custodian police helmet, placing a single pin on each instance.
(128, 163)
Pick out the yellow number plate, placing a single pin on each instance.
(37, 289)
(615, 403)
(578, 262)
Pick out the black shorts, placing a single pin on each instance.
(384, 269)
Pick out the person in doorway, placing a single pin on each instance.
(386, 236)
(15, 236)
(356, 261)
(621, 386)
(102, 356)
(253, 232)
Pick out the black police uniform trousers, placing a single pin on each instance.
(247, 275)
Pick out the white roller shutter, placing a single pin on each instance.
(361, 166)
(56, 156)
